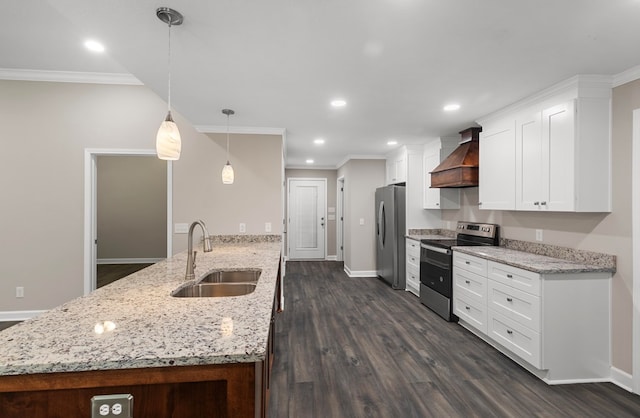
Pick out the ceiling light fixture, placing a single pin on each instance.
(168, 142)
(227, 171)
(392, 142)
(451, 107)
(338, 103)
(93, 46)
(318, 141)
(309, 161)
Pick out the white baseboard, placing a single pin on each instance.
(361, 273)
(331, 258)
(622, 379)
(128, 260)
(10, 316)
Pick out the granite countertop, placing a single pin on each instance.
(152, 328)
(431, 236)
(532, 262)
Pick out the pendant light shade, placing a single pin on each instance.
(227, 171)
(168, 142)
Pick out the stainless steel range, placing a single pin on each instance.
(436, 262)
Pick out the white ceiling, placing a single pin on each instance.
(278, 63)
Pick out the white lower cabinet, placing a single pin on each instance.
(413, 267)
(555, 325)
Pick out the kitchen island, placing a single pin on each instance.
(178, 357)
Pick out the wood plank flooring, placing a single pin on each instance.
(109, 273)
(353, 347)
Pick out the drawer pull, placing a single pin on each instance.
(467, 308)
(509, 300)
(509, 332)
(509, 276)
(467, 282)
(467, 262)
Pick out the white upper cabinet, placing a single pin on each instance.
(438, 198)
(562, 152)
(497, 165)
(396, 166)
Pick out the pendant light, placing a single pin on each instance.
(168, 142)
(227, 170)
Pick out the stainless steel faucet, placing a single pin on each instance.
(191, 255)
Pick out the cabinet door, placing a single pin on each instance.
(401, 168)
(431, 197)
(391, 171)
(497, 166)
(558, 170)
(529, 161)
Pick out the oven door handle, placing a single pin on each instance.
(436, 249)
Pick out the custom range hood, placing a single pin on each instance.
(460, 168)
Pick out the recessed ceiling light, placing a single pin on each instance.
(392, 142)
(318, 141)
(451, 107)
(94, 46)
(338, 103)
(309, 161)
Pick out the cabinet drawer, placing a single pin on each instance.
(468, 262)
(519, 339)
(413, 247)
(413, 278)
(470, 285)
(524, 280)
(515, 304)
(414, 269)
(472, 312)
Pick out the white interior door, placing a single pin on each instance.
(307, 218)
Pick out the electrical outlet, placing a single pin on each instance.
(19, 292)
(538, 234)
(267, 227)
(243, 227)
(181, 228)
(361, 221)
(110, 406)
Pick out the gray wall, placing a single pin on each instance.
(331, 177)
(47, 127)
(361, 178)
(607, 233)
(131, 207)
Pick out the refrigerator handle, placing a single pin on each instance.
(382, 228)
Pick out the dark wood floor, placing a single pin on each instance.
(353, 347)
(109, 273)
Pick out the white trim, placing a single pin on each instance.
(635, 247)
(310, 167)
(361, 273)
(595, 85)
(340, 218)
(249, 130)
(10, 316)
(331, 258)
(622, 379)
(626, 76)
(90, 177)
(68, 77)
(128, 260)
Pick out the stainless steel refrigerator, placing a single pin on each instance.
(390, 235)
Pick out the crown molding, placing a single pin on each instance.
(249, 130)
(359, 157)
(68, 77)
(626, 76)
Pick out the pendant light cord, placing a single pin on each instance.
(169, 71)
(227, 139)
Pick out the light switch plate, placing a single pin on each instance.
(243, 227)
(538, 234)
(267, 227)
(361, 221)
(112, 406)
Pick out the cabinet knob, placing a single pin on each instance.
(467, 282)
(509, 300)
(467, 262)
(543, 203)
(437, 204)
(479, 203)
(510, 276)
(509, 332)
(467, 308)
(536, 203)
